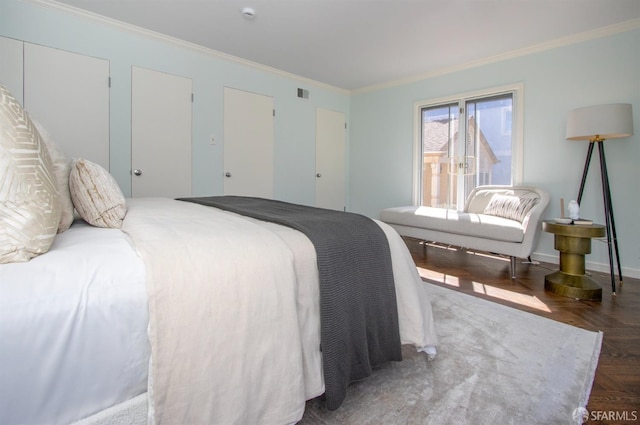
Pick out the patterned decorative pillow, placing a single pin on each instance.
(96, 195)
(511, 207)
(61, 169)
(29, 204)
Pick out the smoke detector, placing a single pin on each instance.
(248, 13)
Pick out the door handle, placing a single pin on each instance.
(137, 172)
(318, 175)
(227, 174)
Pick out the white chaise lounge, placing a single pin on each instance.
(498, 219)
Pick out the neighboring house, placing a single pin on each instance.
(438, 174)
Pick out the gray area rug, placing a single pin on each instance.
(495, 365)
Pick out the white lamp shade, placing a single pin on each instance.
(606, 121)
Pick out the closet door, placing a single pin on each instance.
(330, 159)
(68, 94)
(11, 66)
(248, 144)
(161, 114)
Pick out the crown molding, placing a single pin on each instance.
(139, 31)
(560, 42)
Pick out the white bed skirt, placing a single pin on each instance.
(130, 412)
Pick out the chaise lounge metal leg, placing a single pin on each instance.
(513, 267)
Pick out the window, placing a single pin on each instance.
(466, 142)
(506, 120)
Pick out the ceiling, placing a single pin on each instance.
(352, 44)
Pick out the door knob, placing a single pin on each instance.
(318, 175)
(227, 174)
(137, 172)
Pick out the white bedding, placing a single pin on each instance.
(93, 337)
(223, 324)
(267, 373)
(73, 329)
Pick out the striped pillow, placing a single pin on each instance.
(511, 207)
(29, 204)
(96, 195)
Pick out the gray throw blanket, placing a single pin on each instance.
(358, 311)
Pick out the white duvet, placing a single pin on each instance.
(234, 314)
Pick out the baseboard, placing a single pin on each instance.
(589, 265)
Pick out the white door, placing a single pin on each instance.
(248, 144)
(68, 94)
(330, 159)
(11, 66)
(161, 110)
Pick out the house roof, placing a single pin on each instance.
(436, 137)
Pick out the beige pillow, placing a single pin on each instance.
(511, 207)
(29, 204)
(96, 195)
(61, 169)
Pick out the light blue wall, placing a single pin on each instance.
(603, 70)
(295, 118)
(381, 124)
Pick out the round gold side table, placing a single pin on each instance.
(573, 241)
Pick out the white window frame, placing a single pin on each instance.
(517, 136)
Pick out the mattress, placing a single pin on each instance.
(73, 326)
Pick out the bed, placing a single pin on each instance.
(157, 310)
(82, 347)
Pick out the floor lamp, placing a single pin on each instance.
(596, 124)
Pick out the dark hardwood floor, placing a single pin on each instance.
(615, 396)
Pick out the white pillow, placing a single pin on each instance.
(511, 207)
(29, 204)
(96, 195)
(61, 169)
